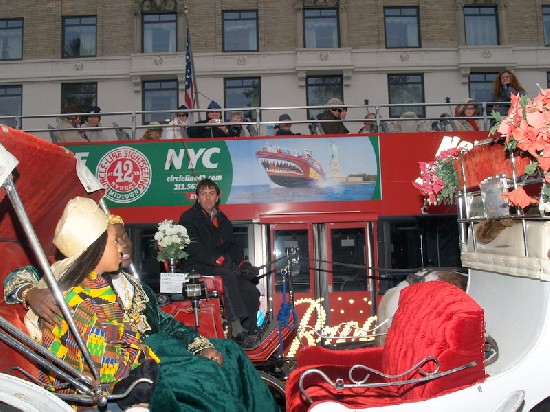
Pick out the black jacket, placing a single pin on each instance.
(208, 242)
(206, 131)
(332, 127)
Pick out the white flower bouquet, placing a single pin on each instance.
(171, 240)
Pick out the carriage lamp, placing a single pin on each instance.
(195, 290)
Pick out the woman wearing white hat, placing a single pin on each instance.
(190, 371)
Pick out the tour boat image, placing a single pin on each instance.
(290, 168)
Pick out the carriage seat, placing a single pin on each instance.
(210, 312)
(433, 319)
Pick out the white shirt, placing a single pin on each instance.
(175, 130)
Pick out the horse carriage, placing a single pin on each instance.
(482, 349)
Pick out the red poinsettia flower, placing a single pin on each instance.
(542, 101)
(544, 163)
(518, 197)
(506, 127)
(526, 137)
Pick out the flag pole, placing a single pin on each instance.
(190, 51)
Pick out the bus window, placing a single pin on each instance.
(348, 247)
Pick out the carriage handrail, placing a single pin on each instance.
(29, 348)
(339, 384)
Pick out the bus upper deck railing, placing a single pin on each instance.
(131, 125)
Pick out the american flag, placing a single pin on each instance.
(189, 84)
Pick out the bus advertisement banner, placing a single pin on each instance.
(248, 171)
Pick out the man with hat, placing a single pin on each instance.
(335, 114)
(284, 126)
(213, 117)
(177, 128)
(92, 120)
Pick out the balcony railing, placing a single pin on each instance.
(129, 125)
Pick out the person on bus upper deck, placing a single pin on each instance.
(214, 251)
(284, 126)
(236, 129)
(212, 117)
(468, 110)
(177, 128)
(154, 132)
(70, 120)
(370, 125)
(504, 85)
(333, 113)
(92, 120)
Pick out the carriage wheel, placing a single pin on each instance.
(276, 387)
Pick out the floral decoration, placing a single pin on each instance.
(438, 179)
(527, 128)
(172, 239)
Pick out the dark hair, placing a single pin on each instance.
(207, 183)
(85, 263)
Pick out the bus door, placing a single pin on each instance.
(350, 288)
(291, 249)
(332, 282)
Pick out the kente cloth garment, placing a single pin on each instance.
(114, 347)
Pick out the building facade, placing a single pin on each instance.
(129, 55)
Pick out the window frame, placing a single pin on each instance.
(64, 35)
(4, 95)
(82, 101)
(336, 19)
(22, 33)
(337, 92)
(488, 80)
(466, 31)
(250, 114)
(166, 85)
(545, 11)
(159, 15)
(419, 110)
(386, 28)
(256, 28)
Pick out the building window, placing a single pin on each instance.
(159, 33)
(242, 92)
(321, 28)
(82, 95)
(548, 80)
(79, 36)
(11, 39)
(402, 27)
(240, 31)
(320, 89)
(481, 25)
(406, 88)
(159, 95)
(546, 24)
(480, 86)
(11, 103)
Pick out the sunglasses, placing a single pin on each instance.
(340, 110)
